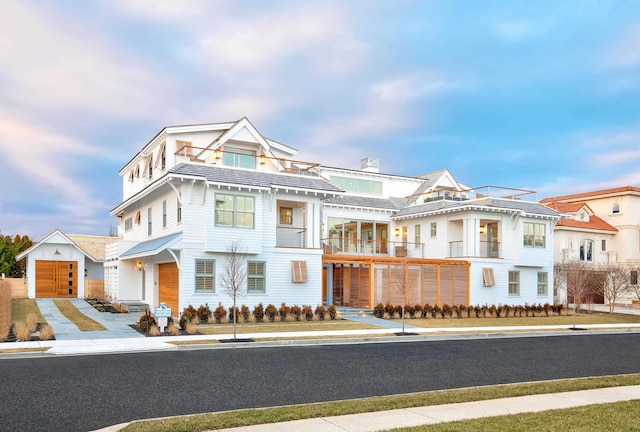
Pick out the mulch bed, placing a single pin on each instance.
(102, 306)
(34, 336)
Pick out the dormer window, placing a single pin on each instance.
(583, 215)
(163, 157)
(138, 171)
(241, 158)
(150, 166)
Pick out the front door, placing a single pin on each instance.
(168, 286)
(56, 279)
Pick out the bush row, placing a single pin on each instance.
(461, 311)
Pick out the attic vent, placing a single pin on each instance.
(369, 164)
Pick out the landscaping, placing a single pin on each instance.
(83, 322)
(27, 323)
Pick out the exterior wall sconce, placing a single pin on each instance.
(218, 154)
(263, 160)
(139, 265)
(483, 229)
(397, 232)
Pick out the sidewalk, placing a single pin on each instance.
(418, 416)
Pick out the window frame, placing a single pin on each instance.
(283, 216)
(532, 237)
(514, 283)
(150, 221)
(256, 276)
(416, 234)
(164, 213)
(586, 253)
(128, 224)
(236, 215)
(204, 276)
(179, 207)
(238, 157)
(434, 229)
(543, 285)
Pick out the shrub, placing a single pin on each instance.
(186, 316)
(290, 318)
(410, 311)
(284, 311)
(220, 313)
(427, 311)
(172, 329)
(398, 310)
(270, 312)
(418, 311)
(204, 312)
(388, 308)
(379, 310)
(446, 311)
(46, 332)
(320, 312)
(296, 311)
(22, 331)
(234, 314)
(147, 321)
(251, 319)
(307, 312)
(246, 313)
(32, 322)
(437, 312)
(331, 310)
(258, 312)
(190, 328)
(154, 331)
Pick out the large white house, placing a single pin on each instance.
(313, 234)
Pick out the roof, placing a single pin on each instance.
(257, 179)
(392, 204)
(528, 207)
(624, 190)
(430, 180)
(594, 222)
(92, 246)
(152, 247)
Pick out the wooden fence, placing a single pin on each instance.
(94, 289)
(17, 287)
(5, 309)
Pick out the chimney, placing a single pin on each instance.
(370, 164)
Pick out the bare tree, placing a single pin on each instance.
(234, 275)
(401, 282)
(611, 281)
(576, 277)
(634, 277)
(559, 283)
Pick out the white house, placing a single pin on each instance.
(314, 234)
(66, 266)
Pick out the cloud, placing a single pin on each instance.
(625, 51)
(415, 86)
(519, 29)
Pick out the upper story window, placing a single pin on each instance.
(615, 207)
(137, 171)
(163, 156)
(417, 236)
(362, 186)
(235, 211)
(164, 214)
(179, 208)
(237, 157)
(586, 250)
(131, 174)
(534, 234)
(150, 166)
(286, 216)
(128, 224)
(434, 229)
(149, 220)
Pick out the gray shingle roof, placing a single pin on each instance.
(215, 174)
(525, 206)
(368, 202)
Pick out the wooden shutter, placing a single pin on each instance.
(487, 277)
(138, 217)
(299, 270)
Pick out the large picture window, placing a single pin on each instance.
(237, 157)
(205, 276)
(534, 234)
(235, 211)
(256, 280)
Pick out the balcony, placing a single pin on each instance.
(488, 249)
(292, 237)
(370, 247)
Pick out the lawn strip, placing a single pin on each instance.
(203, 422)
(23, 350)
(285, 327)
(21, 308)
(617, 416)
(83, 322)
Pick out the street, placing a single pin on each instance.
(89, 392)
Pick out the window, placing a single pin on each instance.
(633, 277)
(405, 237)
(534, 234)
(164, 214)
(138, 217)
(131, 175)
(234, 211)
(604, 245)
(615, 208)
(237, 157)
(256, 277)
(128, 224)
(137, 171)
(434, 229)
(149, 227)
(179, 208)
(514, 283)
(184, 148)
(417, 236)
(163, 157)
(586, 250)
(286, 216)
(488, 278)
(543, 283)
(299, 271)
(363, 186)
(150, 166)
(205, 276)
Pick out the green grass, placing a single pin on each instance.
(619, 416)
(202, 422)
(83, 322)
(579, 319)
(21, 308)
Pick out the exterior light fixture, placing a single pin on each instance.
(483, 229)
(218, 154)
(397, 232)
(263, 160)
(139, 265)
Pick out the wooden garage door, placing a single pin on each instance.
(56, 279)
(168, 286)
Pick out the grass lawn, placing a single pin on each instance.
(83, 322)
(284, 327)
(202, 422)
(21, 308)
(578, 319)
(619, 416)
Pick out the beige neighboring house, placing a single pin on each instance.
(66, 266)
(602, 227)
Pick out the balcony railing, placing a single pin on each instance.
(291, 237)
(488, 249)
(370, 247)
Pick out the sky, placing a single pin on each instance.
(540, 95)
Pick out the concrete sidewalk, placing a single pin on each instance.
(418, 416)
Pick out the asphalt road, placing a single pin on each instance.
(89, 392)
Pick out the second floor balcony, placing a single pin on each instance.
(487, 249)
(371, 247)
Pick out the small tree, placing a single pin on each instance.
(611, 281)
(234, 275)
(576, 276)
(401, 282)
(634, 278)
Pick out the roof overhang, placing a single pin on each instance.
(153, 247)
